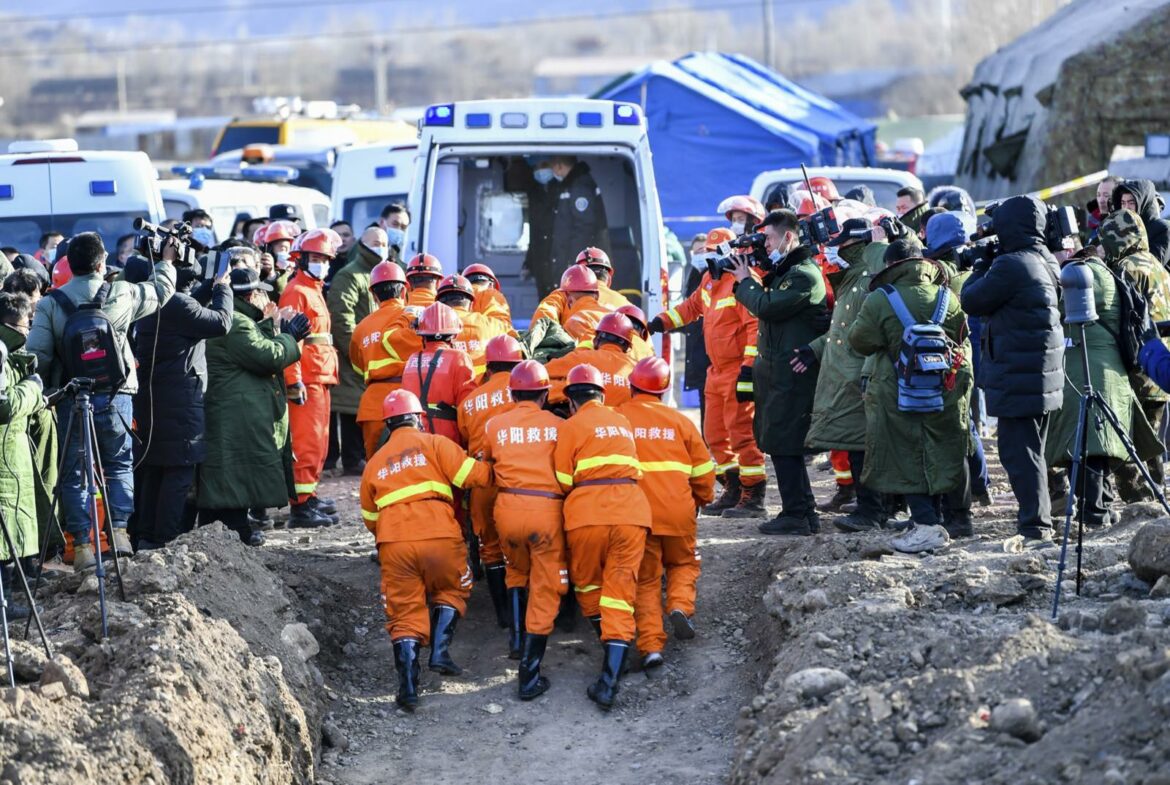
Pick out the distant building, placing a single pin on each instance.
(48, 99)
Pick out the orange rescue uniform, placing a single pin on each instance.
(678, 478)
(421, 298)
(556, 304)
(491, 302)
(481, 404)
(606, 515)
(729, 334)
(451, 380)
(317, 370)
(477, 331)
(519, 444)
(406, 497)
(614, 364)
(378, 351)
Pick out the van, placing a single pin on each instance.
(306, 132)
(50, 185)
(885, 183)
(463, 213)
(366, 178)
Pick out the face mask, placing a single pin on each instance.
(738, 227)
(318, 269)
(203, 235)
(775, 257)
(543, 176)
(396, 237)
(699, 260)
(834, 259)
(281, 260)
(557, 177)
(379, 252)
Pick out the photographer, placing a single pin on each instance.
(120, 304)
(1021, 369)
(790, 306)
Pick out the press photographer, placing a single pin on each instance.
(80, 330)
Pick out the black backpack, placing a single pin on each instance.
(1134, 315)
(87, 346)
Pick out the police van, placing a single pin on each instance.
(464, 211)
(50, 185)
(366, 178)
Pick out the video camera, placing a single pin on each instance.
(720, 261)
(1060, 226)
(817, 229)
(156, 239)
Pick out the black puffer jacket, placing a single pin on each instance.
(1022, 362)
(1157, 228)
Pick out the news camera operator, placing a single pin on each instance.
(1021, 369)
(63, 329)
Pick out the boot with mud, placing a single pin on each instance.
(494, 575)
(122, 542)
(566, 620)
(732, 491)
(796, 525)
(532, 684)
(443, 621)
(846, 494)
(406, 663)
(595, 623)
(958, 524)
(517, 608)
(84, 558)
(684, 626)
(14, 608)
(604, 691)
(750, 504)
(307, 516)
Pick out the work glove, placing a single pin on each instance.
(656, 325)
(297, 326)
(744, 387)
(822, 321)
(803, 359)
(297, 394)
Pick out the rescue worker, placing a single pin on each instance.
(556, 305)
(407, 494)
(640, 347)
(743, 212)
(606, 520)
(276, 239)
(481, 404)
(309, 379)
(489, 300)
(729, 335)
(519, 444)
(423, 273)
(825, 188)
(439, 375)
(678, 478)
(584, 310)
(456, 292)
(380, 346)
(578, 211)
(609, 354)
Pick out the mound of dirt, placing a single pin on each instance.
(205, 677)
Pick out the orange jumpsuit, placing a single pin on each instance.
(491, 302)
(678, 478)
(519, 444)
(581, 318)
(614, 364)
(606, 515)
(378, 351)
(406, 498)
(477, 331)
(481, 404)
(317, 370)
(453, 378)
(729, 334)
(420, 298)
(556, 303)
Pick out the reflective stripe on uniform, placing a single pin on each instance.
(586, 589)
(369, 516)
(479, 370)
(702, 468)
(616, 604)
(751, 471)
(565, 479)
(305, 487)
(750, 351)
(605, 460)
(706, 297)
(675, 319)
(724, 467)
(744, 387)
(665, 466)
(440, 488)
(725, 302)
(464, 470)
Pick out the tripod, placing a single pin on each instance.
(34, 614)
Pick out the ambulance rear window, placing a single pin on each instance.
(237, 137)
(503, 222)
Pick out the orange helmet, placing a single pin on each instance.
(61, 272)
(744, 204)
(277, 230)
(481, 269)
(809, 204)
(529, 375)
(386, 272)
(717, 236)
(503, 349)
(424, 264)
(595, 256)
(317, 241)
(584, 374)
(439, 320)
(617, 325)
(635, 315)
(824, 187)
(651, 375)
(579, 278)
(456, 284)
(400, 402)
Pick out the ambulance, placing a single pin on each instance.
(463, 212)
(51, 185)
(366, 178)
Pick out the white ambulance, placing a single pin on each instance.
(463, 212)
(366, 178)
(50, 185)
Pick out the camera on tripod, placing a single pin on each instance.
(71, 387)
(817, 229)
(156, 239)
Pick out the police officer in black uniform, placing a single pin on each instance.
(578, 211)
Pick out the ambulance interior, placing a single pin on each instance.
(473, 217)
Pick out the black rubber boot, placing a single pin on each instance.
(532, 684)
(16, 609)
(857, 521)
(307, 516)
(494, 574)
(443, 621)
(566, 620)
(595, 623)
(800, 525)
(750, 504)
(517, 607)
(604, 691)
(406, 663)
(732, 490)
(846, 494)
(958, 524)
(814, 519)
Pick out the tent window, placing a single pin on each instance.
(1004, 154)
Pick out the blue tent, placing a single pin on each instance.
(716, 121)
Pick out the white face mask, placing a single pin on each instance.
(544, 176)
(280, 260)
(395, 236)
(378, 251)
(833, 257)
(738, 227)
(699, 260)
(775, 256)
(318, 269)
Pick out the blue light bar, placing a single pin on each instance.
(103, 187)
(626, 114)
(440, 114)
(195, 181)
(6, 191)
(478, 120)
(269, 172)
(383, 172)
(514, 120)
(553, 120)
(589, 119)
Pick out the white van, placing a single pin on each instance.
(50, 185)
(885, 183)
(369, 177)
(462, 212)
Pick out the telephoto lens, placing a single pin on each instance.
(1076, 284)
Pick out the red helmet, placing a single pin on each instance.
(810, 204)
(595, 256)
(457, 284)
(386, 272)
(481, 269)
(439, 320)
(503, 349)
(61, 272)
(618, 325)
(579, 278)
(635, 315)
(651, 375)
(424, 264)
(718, 235)
(823, 186)
(529, 375)
(318, 241)
(400, 402)
(584, 374)
(744, 204)
(277, 230)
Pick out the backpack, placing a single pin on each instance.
(1134, 314)
(925, 358)
(87, 345)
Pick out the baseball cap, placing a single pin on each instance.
(285, 212)
(852, 229)
(245, 279)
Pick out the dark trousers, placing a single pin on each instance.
(345, 442)
(796, 496)
(162, 498)
(1021, 451)
(869, 503)
(977, 474)
(1092, 492)
(236, 520)
(923, 509)
(957, 503)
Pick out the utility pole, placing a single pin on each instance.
(381, 99)
(769, 35)
(123, 101)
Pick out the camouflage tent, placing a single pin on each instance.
(1051, 105)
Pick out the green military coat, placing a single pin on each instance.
(349, 302)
